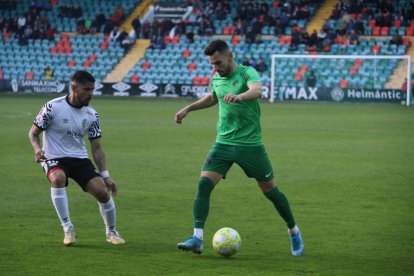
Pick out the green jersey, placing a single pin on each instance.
(239, 122)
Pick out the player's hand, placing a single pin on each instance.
(111, 186)
(40, 155)
(232, 98)
(180, 115)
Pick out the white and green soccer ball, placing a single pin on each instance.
(226, 241)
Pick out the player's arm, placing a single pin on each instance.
(255, 92)
(204, 102)
(98, 155)
(34, 138)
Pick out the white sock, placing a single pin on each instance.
(108, 213)
(60, 201)
(198, 232)
(293, 231)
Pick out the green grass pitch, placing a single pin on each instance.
(347, 170)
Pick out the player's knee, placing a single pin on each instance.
(57, 178)
(205, 185)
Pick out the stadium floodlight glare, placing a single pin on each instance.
(278, 57)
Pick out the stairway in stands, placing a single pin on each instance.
(396, 80)
(136, 52)
(323, 13)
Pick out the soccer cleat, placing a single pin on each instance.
(70, 236)
(114, 238)
(297, 244)
(192, 244)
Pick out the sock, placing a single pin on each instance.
(293, 231)
(281, 204)
(108, 213)
(60, 201)
(199, 233)
(202, 202)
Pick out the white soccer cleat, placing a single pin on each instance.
(70, 236)
(114, 238)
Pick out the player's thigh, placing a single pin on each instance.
(96, 187)
(56, 172)
(219, 159)
(255, 163)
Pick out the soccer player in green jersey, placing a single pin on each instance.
(236, 89)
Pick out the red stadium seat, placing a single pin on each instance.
(235, 40)
(376, 49)
(146, 65)
(376, 31)
(167, 39)
(343, 84)
(397, 23)
(92, 57)
(205, 80)
(191, 67)
(186, 53)
(385, 31)
(407, 41)
(197, 80)
(1, 74)
(410, 31)
(86, 64)
(71, 63)
(175, 39)
(134, 78)
(29, 75)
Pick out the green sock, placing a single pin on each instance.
(202, 201)
(282, 206)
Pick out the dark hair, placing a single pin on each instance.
(214, 46)
(83, 77)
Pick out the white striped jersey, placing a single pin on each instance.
(65, 126)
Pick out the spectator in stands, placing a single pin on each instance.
(194, 18)
(23, 39)
(313, 39)
(126, 44)
(295, 40)
(136, 25)
(114, 35)
(396, 39)
(311, 79)
(190, 36)
(246, 62)
(206, 26)
(157, 43)
(100, 20)
(261, 66)
(49, 74)
(353, 38)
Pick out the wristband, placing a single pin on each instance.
(105, 174)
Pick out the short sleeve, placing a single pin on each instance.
(44, 117)
(250, 75)
(94, 131)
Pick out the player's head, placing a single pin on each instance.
(82, 86)
(220, 57)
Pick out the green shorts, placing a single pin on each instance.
(252, 159)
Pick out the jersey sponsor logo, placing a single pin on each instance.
(65, 121)
(85, 123)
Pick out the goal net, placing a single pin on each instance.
(341, 78)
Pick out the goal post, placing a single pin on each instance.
(343, 77)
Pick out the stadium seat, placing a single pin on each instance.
(1, 74)
(29, 75)
(135, 78)
(343, 84)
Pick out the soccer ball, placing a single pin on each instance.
(226, 242)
